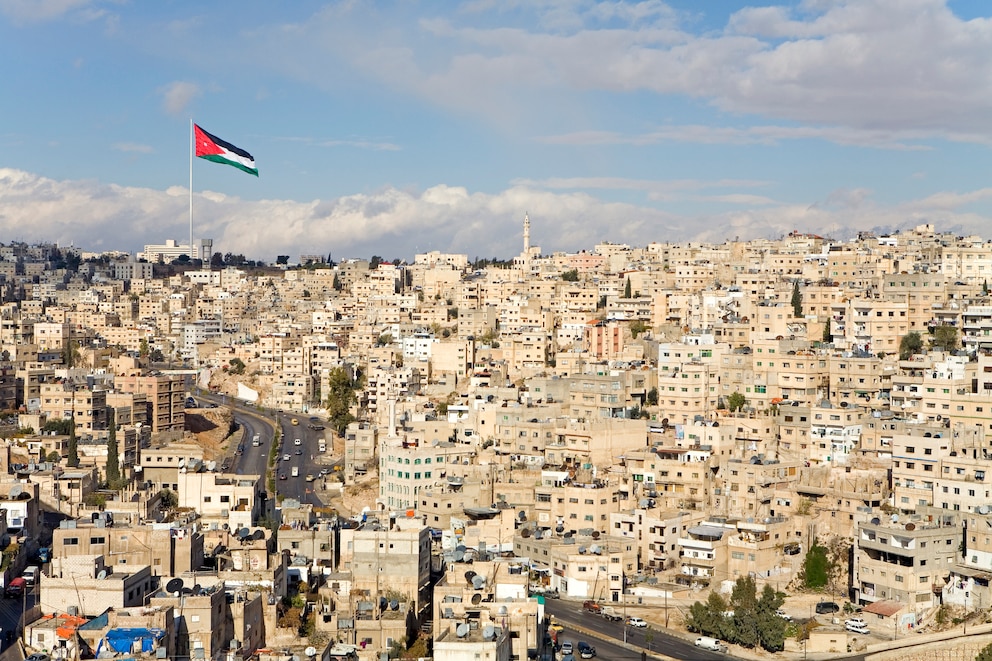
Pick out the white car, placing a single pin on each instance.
(636, 622)
(856, 627)
(297, 442)
(782, 614)
(285, 457)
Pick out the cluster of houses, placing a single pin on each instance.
(625, 425)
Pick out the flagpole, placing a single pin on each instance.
(191, 141)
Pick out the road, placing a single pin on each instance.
(10, 613)
(569, 613)
(254, 460)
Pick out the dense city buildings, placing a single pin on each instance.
(455, 442)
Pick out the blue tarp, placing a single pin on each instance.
(122, 641)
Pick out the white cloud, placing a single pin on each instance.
(34, 11)
(875, 72)
(176, 96)
(396, 223)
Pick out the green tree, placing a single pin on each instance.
(70, 354)
(945, 338)
(237, 366)
(60, 426)
(985, 654)
(797, 300)
(340, 397)
(572, 275)
(744, 603)
(652, 397)
(736, 401)
(337, 283)
(827, 333)
(817, 568)
(627, 290)
(282, 260)
(911, 343)
(113, 460)
(771, 627)
(384, 340)
(73, 459)
(143, 347)
(637, 327)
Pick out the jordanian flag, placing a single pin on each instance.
(214, 149)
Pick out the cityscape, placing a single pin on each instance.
(764, 448)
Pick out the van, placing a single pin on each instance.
(16, 588)
(711, 644)
(30, 575)
(295, 472)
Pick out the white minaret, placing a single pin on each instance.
(526, 234)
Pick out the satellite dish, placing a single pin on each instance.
(460, 548)
(394, 605)
(476, 599)
(875, 521)
(258, 535)
(383, 603)
(594, 549)
(102, 575)
(538, 534)
(478, 582)
(175, 585)
(310, 651)
(595, 534)
(16, 490)
(525, 533)
(243, 534)
(461, 630)
(522, 515)
(559, 529)
(502, 610)
(211, 465)
(469, 575)
(197, 589)
(489, 632)
(459, 556)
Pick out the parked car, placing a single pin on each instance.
(636, 622)
(857, 627)
(782, 614)
(826, 607)
(858, 621)
(30, 575)
(566, 648)
(586, 651)
(38, 657)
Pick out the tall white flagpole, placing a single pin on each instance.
(192, 140)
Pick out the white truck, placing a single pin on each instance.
(610, 613)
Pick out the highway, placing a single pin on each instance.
(570, 614)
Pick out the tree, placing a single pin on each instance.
(143, 347)
(797, 300)
(910, 344)
(626, 289)
(282, 260)
(816, 569)
(637, 327)
(73, 460)
(945, 338)
(374, 262)
(113, 460)
(985, 654)
(337, 283)
(340, 397)
(217, 261)
(744, 603)
(771, 627)
(736, 401)
(70, 354)
(572, 275)
(237, 366)
(827, 333)
(652, 397)
(60, 426)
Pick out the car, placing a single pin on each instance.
(296, 422)
(282, 476)
(298, 452)
(636, 622)
(856, 621)
(566, 648)
(317, 427)
(38, 656)
(15, 588)
(297, 442)
(586, 651)
(324, 471)
(711, 644)
(30, 575)
(310, 477)
(285, 457)
(857, 627)
(827, 607)
(782, 614)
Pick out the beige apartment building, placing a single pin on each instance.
(165, 395)
(64, 400)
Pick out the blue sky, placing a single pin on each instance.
(395, 128)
